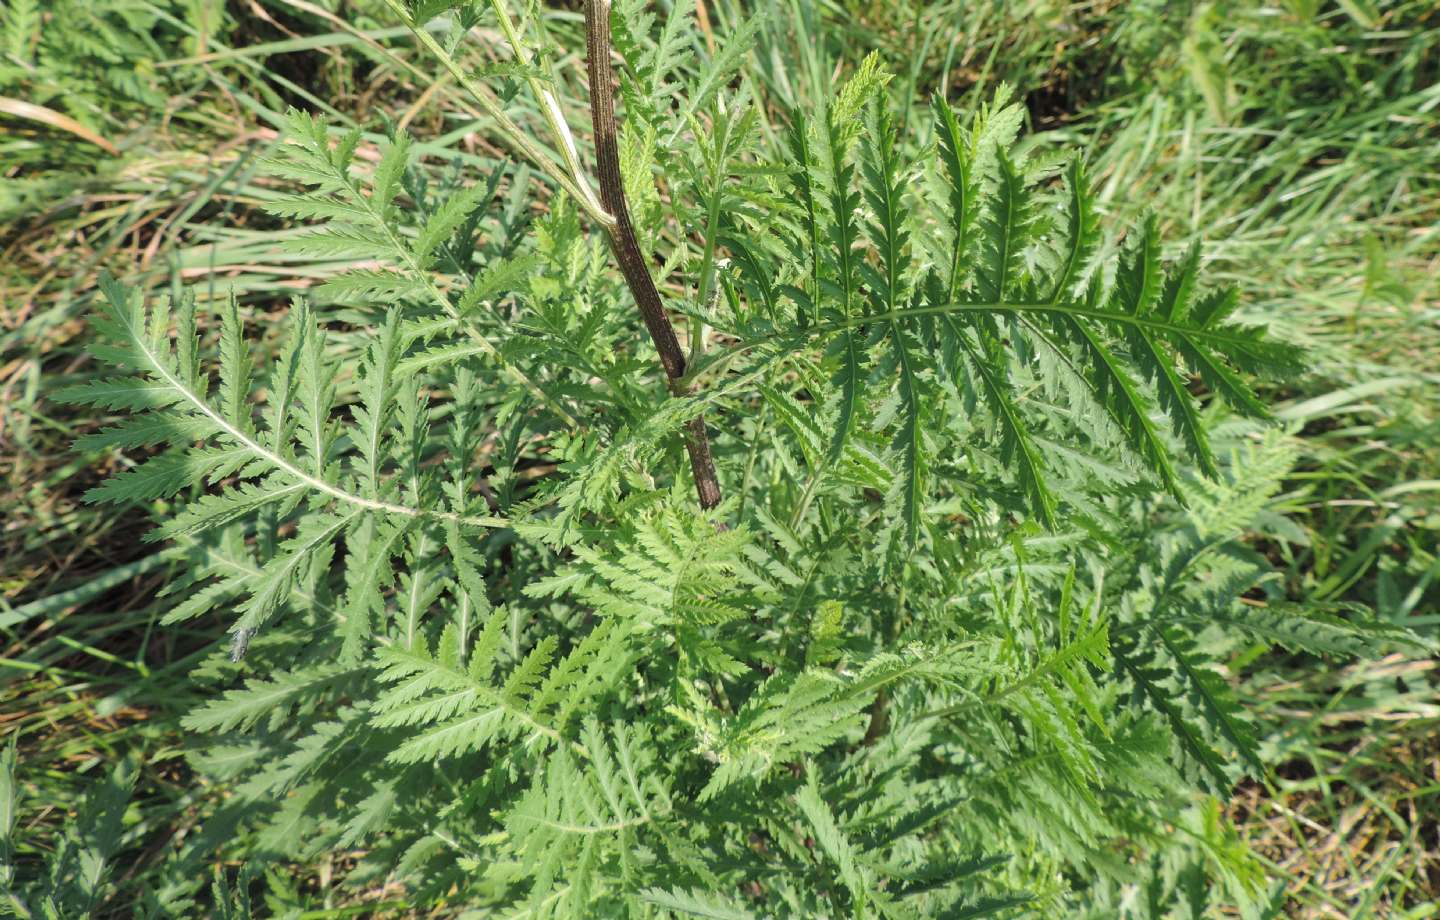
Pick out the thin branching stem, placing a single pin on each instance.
(513, 134)
(550, 106)
(786, 339)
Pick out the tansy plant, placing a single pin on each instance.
(803, 515)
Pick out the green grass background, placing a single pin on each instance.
(1300, 139)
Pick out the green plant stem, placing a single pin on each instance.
(509, 130)
(550, 105)
(717, 360)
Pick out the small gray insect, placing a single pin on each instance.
(240, 643)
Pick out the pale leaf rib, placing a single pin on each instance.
(158, 367)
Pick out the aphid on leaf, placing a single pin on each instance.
(240, 643)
